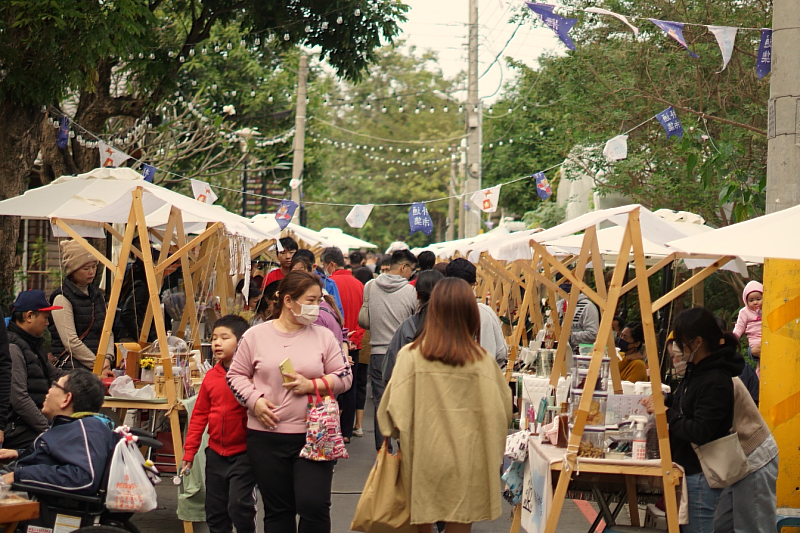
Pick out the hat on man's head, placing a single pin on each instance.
(33, 300)
(74, 256)
(461, 268)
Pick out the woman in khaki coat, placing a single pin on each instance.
(449, 405)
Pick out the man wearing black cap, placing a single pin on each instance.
(31, 371)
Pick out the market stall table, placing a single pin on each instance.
(12, 514)
(606, 479)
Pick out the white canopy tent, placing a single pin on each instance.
(448, 249)
(609, 240)
(655, 230)
(753, 240)
(104, 196)
(267, 223)
(344, 241)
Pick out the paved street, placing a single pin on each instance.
(348, 481)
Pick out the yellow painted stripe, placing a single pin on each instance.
(785, 410)
(784, 314)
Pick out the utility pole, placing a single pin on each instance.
(299, 136)
(451, 205)
(474, 112)
(780, 372)
(462, 186)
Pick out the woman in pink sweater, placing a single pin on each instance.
(290, 486)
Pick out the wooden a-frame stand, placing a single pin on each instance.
(498, 282)
(210, 241)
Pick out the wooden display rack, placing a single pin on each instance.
(500, 283)
(211, 242)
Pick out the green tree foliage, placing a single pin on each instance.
(614, 82)
(368, 156)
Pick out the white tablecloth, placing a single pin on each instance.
(537, 488)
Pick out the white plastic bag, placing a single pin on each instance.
(123, 387)
(129, 488)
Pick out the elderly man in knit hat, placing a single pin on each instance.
(492, 339)
(77, 327)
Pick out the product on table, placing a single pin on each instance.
(597, 408)
(592, 442)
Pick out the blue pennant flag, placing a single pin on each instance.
(63, 133)
(419, 219)
(149, 172)
(764, 61)
(674, 30)
(543, 186)
(669, 121)
(560, 25)
(285, 213)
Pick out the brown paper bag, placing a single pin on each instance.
(383, 506)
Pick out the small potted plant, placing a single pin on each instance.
(148, 365)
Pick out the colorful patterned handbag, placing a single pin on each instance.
(324, 440)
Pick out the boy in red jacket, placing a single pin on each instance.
(230, 484)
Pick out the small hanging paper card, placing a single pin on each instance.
(560, 25)
(149, 172)
(616, 148)
(543, 186)
(111, 157)
(202, 192)
(419, 219)
(285, 213)
(764, 60)
(669, 121)
(487, 199)
(63, 133)
(295, 183)
(726, 37)
(674, 30)
(358, 215)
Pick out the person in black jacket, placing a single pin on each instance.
(32, 373)
(5, 377)
(701, 408)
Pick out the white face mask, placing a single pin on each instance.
(687, 357)
(308, 314)
(680, 367)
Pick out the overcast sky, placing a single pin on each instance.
(441, 25)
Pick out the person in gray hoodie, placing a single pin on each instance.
(391, 301)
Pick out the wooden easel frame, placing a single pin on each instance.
(607, 299)
(154, 274)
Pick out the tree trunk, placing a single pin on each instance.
(19, 145)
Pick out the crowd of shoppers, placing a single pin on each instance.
(426, 346)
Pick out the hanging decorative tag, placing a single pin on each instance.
(669, 121)
(543, 186)
(674, 30)
(560, 25)
(419, 219)
(202, 192)
(726, 37)
(487, 199)
(764, 60)
(111, 157)
(285, 213)
(358, 215)
(149, 172)
(62, 137)
(616, 148)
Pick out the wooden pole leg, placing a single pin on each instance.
(516, 524)
(633, 500)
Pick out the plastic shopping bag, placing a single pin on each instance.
(129, 488)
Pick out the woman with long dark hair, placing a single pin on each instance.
(701, 408)
(449, 405)
(289, 485)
